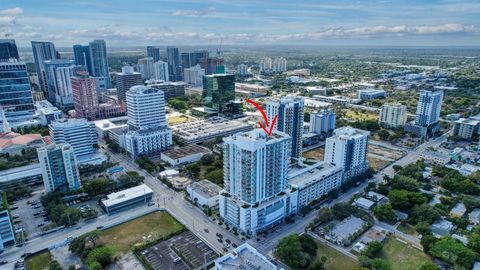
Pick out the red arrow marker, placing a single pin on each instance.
(264, 127)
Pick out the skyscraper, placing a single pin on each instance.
(8, 50)
(59, 167)
(186, 60)
(218, 91)
(148, 129)
(125, 80)
(153, 52)
(82, 57)
(322, 122)
(174, 64)
(145, 67)
(289, 120)
(51, 67)
(215, 65)
(427, 116)
(393, 115)
(80, 134)
(255, 178)
(42, 51)
(15, 91)
(428, 108)
(160, 71)
(194, 75)
(198, 58)
(98, 54)
(63, 85)
(279, 65)
(85, 97)
(347, 148)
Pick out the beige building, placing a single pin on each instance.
(393, 115)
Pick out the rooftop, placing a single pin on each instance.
(185, 151)
(205, 188)
(302, 175)
(467, 121)
(12, 138)
(20, 172)
(244, 257)
(127, 194)
(110, 123)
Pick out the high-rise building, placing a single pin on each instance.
(215, 65)
(243, 70)
(125, 80)
(170, 89)
(194, 75)
(148, 129)
(82, 57)
(51, 67)
(289, 119)
(198, 58)
(85, 99)
(279, 65)
(347, 148)
(7, 235)
(15, 91)
(8, 50)
(145, 67)
(98, 54)
(42, 51)
(59, 167)
(80, 134)
(428, 108)
(186, 60)
(174, 64)
(427, 116)
(393, 115)
(153, 52)
(160, 71)
(266, 65)
(322, 122)
(255, 180)
(218, 91)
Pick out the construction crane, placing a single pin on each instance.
(219, 50)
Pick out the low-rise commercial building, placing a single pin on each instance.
(204, 193)
(183, 155)
(244, 257)
(369, 94)
(25, 175)
(128, 198)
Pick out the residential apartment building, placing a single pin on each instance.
(42, 51)
(160, 71)
(466, 128)
(7, 235)
(393, 115)
(194, 76)
(153, 52)
(322, 122)
(289, 112)
(347, 148)
(80, 134)
(125, 80)
(59, 167)
(145, 67)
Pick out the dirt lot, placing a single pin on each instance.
(380, 156)
(315, 153)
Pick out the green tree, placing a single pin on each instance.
(474, 242)
(290, 251)
(54, 265)
(102, 255)
(373, 249)
(384, 212)
(404, 200)
(207, 159)
(380, 264)
(424, 213)
(428, 266)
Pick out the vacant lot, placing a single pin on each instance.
(358, 115)
(335, 259)
(315, 153)
(146, 228)
(402, 256)
(177, 119)
(39, 261)
(408, 229)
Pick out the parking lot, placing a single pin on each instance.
(27, 214)
(183, 252)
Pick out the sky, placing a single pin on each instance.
(243, 22)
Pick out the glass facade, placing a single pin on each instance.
(15, 91)
(218, 91)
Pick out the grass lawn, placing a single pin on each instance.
(149, 227)
(39, 261)
(408, 229)
(335, 259)
(358, 115)
(402, 256)
(177, 119)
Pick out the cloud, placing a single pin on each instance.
(194, 13)
(7, 20)
(12, 11)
